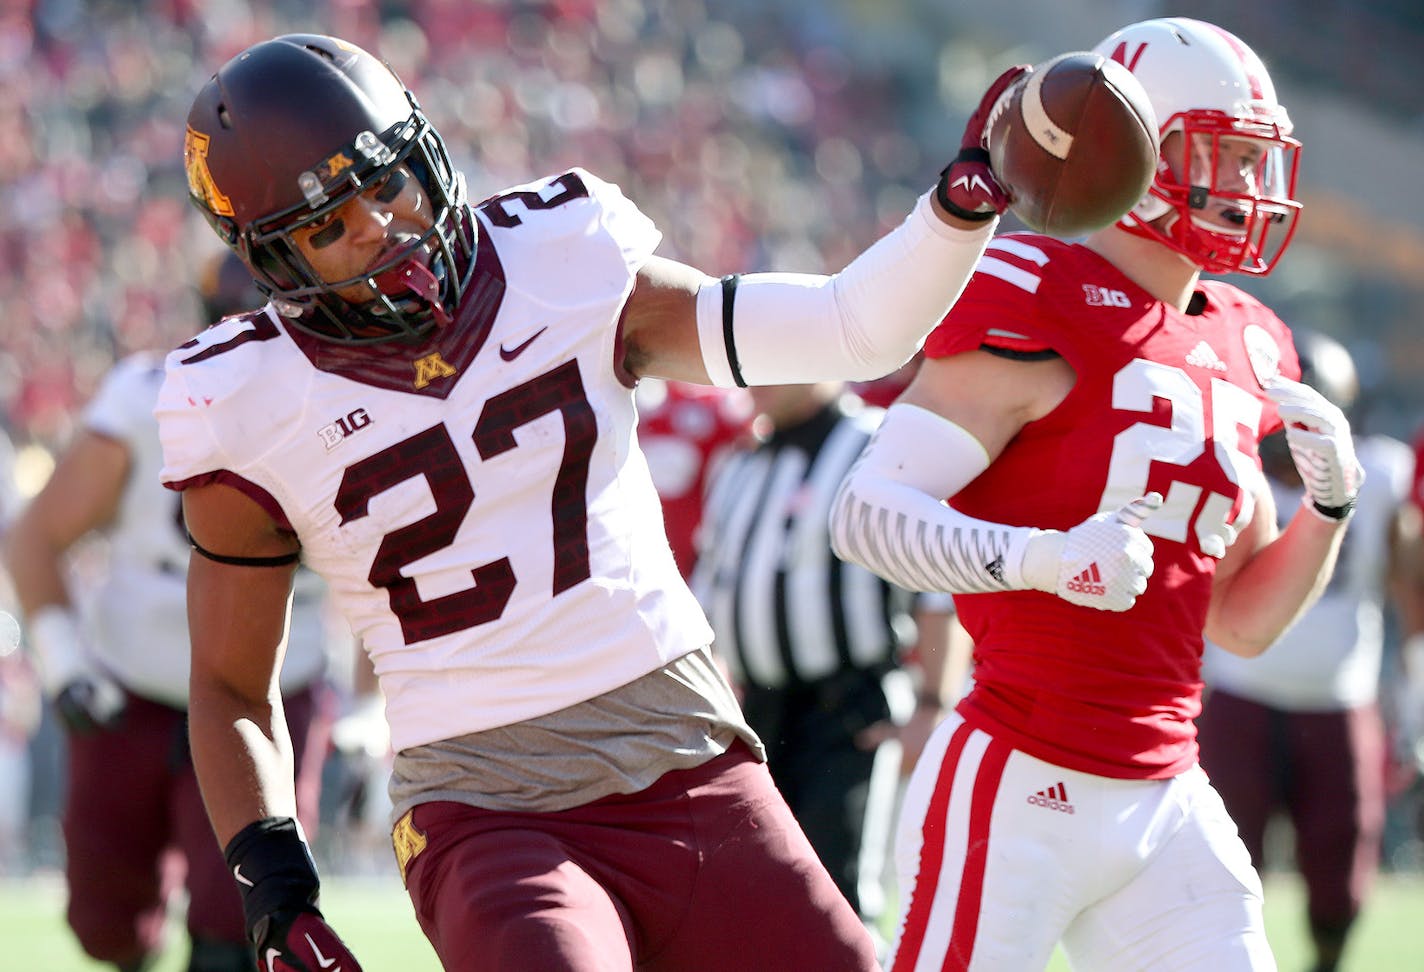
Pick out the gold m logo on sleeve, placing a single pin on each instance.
(407, 841)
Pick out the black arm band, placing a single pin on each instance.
(274, 871)
(281, 561)
(729, 298)
(1335, 512)
(942, 189)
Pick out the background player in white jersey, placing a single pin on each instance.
(1298, 729)
(435, 412)
(1092, 412)
(115, 660)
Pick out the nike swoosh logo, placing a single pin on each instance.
(272, 955)
(237, 873)
(321, 959)
(509, 354)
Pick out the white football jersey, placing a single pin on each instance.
(477, 503)
(1330, 658)
(137, 616)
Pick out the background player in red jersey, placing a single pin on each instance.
(684, 430)
(436, 412)
(1092, 411)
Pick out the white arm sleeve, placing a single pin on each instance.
(887, 518)
(862, 323)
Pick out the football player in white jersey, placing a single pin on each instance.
(435, 411)
(1299, 729)
(114, 660)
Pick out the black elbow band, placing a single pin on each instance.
(729, 299)
(1335, 512)
(281, 561)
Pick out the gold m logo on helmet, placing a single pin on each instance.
(334, 166)
(200, 179)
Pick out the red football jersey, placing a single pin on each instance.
(683, 429)
(1165, 401)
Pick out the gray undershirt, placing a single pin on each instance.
(676, 717)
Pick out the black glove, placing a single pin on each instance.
(277, 878)
(967, 187)
(90, 703)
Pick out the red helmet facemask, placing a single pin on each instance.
(1230, 186)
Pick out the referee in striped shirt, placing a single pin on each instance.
(815, 645)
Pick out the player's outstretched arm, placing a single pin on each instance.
(861, 323)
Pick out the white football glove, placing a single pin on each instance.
(85, 698)
(1320, 443)
(1102, 563)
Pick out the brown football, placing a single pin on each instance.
(1075, 143)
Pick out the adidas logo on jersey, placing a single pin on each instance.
(1089, 581)
(1054, 798)
(1202, 356)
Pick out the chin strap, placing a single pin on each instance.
(415, 278)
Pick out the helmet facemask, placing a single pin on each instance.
(1224, 192)
(408, 298)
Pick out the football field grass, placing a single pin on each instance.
(375, 918)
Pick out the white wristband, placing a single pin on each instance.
(58, 647)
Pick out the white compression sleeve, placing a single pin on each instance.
(887, 517)
(862, 323)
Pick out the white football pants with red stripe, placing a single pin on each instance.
(1001, 856)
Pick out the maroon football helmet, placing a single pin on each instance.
(292, 129)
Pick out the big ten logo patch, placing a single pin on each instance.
(349, 424)
(1104, 297)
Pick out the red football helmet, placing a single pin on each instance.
(1224, 194)
(292, 129)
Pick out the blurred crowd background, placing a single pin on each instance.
(758, 133)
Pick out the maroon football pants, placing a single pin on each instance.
(1325, 769)
(135, 829)
(704, 870)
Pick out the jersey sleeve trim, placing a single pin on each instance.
(247, 487)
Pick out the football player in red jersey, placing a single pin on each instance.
(1091, 411)
(435, 411)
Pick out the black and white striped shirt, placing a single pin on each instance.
(784, 608)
